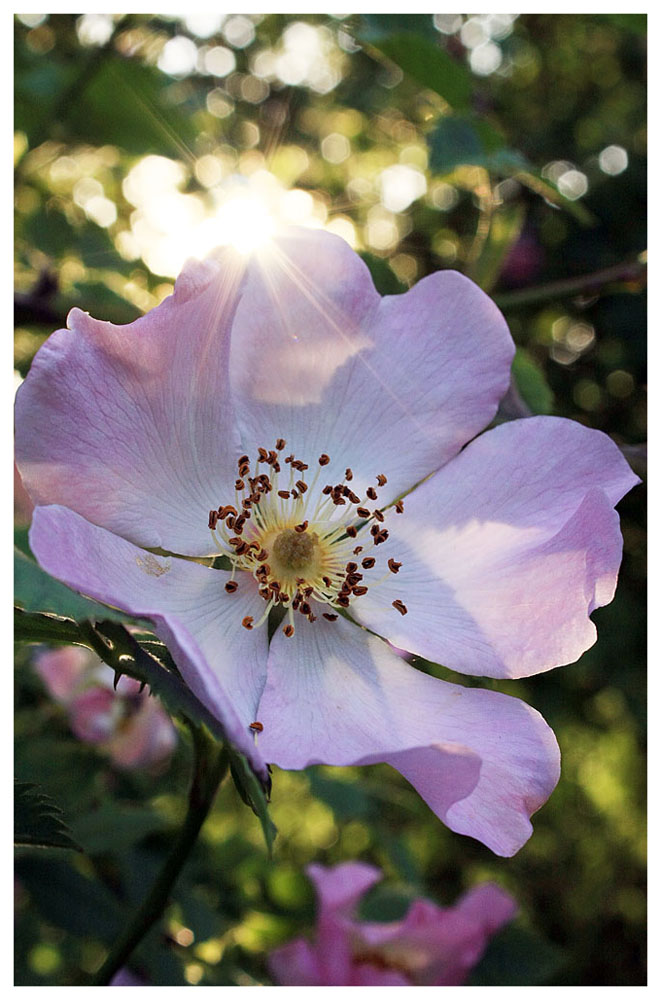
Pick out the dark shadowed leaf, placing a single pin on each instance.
(38, 820)
(517, 957)
(429, 64)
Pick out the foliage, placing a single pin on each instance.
(530, 178)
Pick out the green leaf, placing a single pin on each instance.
(29, 627)
(121, 651)
(37, 819)
(385, 280)
(462, 140)
(379, 25)
(531, 382)
(637, 23)
(429, 64)
(504, 231)
(36, 590)
(113, 827)
(517, 957)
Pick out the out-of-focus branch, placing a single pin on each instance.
(628, 276)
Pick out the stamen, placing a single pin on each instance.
(257, 727)
(247, 622)
(400, 606)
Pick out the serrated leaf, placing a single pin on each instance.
(36, 590)
(429, 64)
(31, 627)
(38, 819)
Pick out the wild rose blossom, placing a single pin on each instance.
(430, 946)
(127, 725)
(277, 410)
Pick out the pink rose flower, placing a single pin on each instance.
(276, 409)
(430, 946)
(127, 725)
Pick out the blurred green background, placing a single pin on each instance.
(511, 148)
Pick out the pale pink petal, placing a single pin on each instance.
(296, 963)
(223, 663)
(483, 761)
(92, 715)
(487, 905)
(392, 386)
(506, 551)
(63, 670)
(131, 426)
(339, 888)
(145, 738)
(365, 974)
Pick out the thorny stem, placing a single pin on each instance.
(210, 763)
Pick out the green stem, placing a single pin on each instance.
(209, 768)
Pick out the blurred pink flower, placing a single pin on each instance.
(130, 440)
(127, 725)
(430, 946)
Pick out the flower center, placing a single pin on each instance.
(304, 545)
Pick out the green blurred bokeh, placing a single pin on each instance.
(520, 162)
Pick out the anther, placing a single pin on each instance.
(393, 566)
(351, 531)
(362, 512)
(301, 486)
(239, 485)
(368, 562)
(400, 606)
(378, 514)
(288, 630)
(348, 475)
(399, 506)
(327, 490)
(381, 480)
(371, 493)
(359, 591)
(285, 494)
(244, 460)
(280, 444)
(257, 727)
(231, 586)
(329, 618)
(213, 519)
(301, 527)
(247, 622)
(324, 460)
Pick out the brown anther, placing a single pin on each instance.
(301, 527)
(285, 494)
(296, 603)
(275, 586)
(339, 501)
(288, 630)
(358, 549)
(300, 580)
(400, 606)
(301, 486)
(327, 490)
(229, 521)
(371, 492)
(359, 591)
(378, 514)
(343, 601)
(305, 608)
(239, 485)
(263, 454)
(381, 480)
(257, 727)
(307, 592)
(375, 530)
(239, 523)
(231, 586)
(324, 459)
(294, 495)
(327, 581)
(283, 598)
(362, 512)
(247, 622)
(244, 460)
(353, 578)
(244, 470)
(351, 567)
(265, 593)
(368, 562)
(247, 503)
(393, 566)
(273, 457)
(348, 475)
(329, 618)
(381, 537)
(262, 555)
(280, 444)
(350, 495)
(242, 548)
(351, 531)
(312, 618)
(213, 519)
(224, 511)
(300, 466)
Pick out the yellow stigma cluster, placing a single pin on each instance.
(299, 542)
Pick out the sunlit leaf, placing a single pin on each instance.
(429, 64)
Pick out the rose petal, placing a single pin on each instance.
(506, 551)
(131, 426)
(340, 887)
(483, 761)
(392, 386)
(222, 663)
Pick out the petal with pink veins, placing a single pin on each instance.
(506, 551)
(132, 426)
(483, 761)
(392, 386)
(222, 663)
